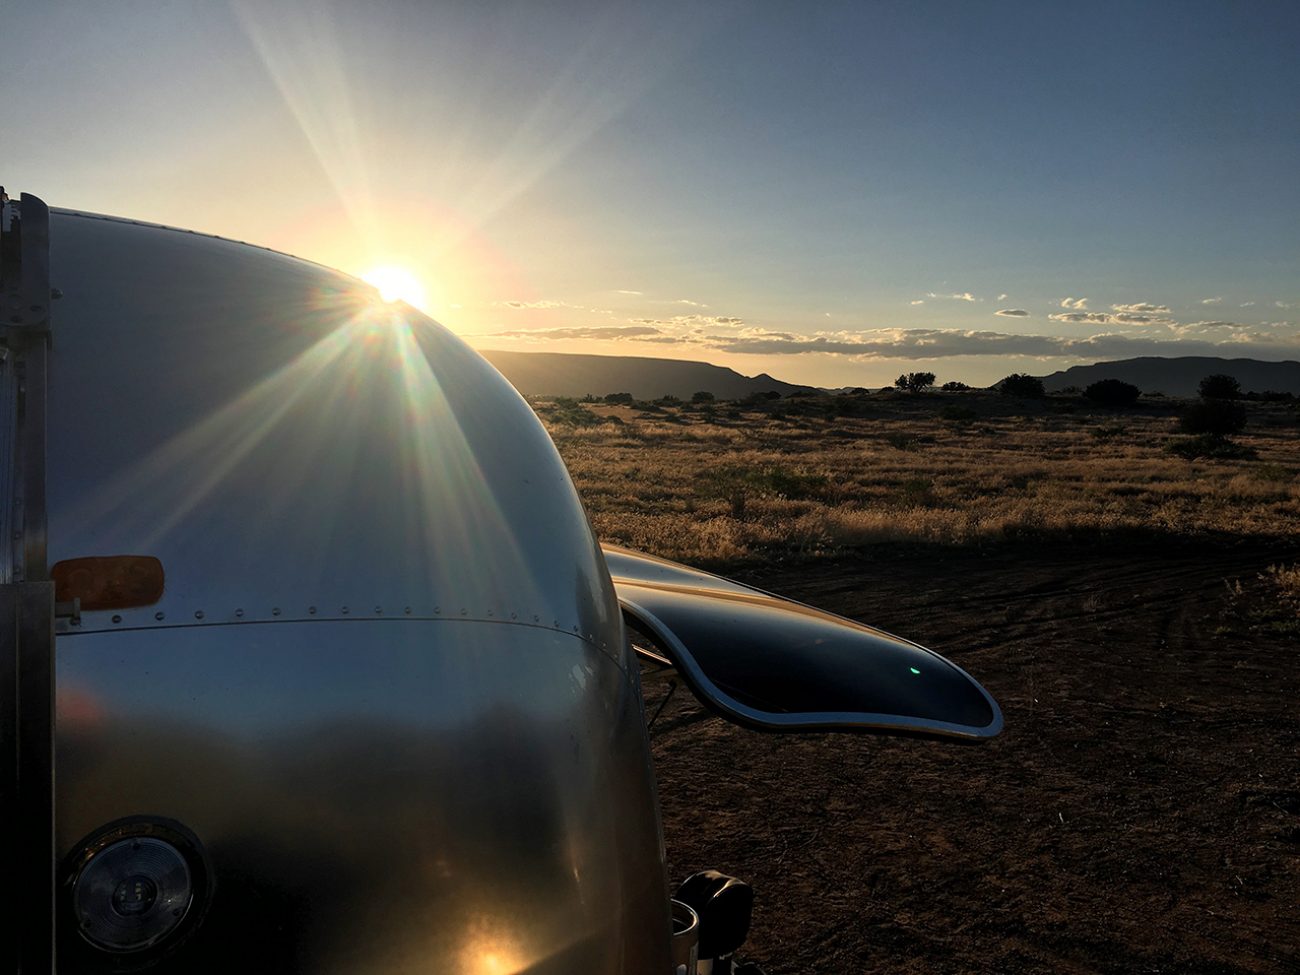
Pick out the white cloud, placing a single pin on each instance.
(1012, 313)
(957, 296)
(1076, 303)
(1218, 300)
(581, 332)
(622, 291)
(1141, 308)
(1282, 304)
(1002, 297)
(687, 301)
(919, 301)
(1108, 318)
(544, 303)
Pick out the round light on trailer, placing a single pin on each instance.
(132, 894)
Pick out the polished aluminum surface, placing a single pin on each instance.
(776, 664)
(387, 684)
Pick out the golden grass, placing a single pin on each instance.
(908, 475)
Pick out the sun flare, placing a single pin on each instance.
(396, 284)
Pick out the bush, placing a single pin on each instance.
(1112, 392)
(619, 398)
(1210, 445)
(703, 396)
(954, 386)
(1220, 386)
(914, 382)
(1213, 416)
(737, 484)
(1109, 431)
(1021, 384)
(958, 414)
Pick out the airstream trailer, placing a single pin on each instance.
(311, 660)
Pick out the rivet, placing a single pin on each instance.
(311, 610)
(537, 619)
(437, 610)
(239, 613)
(158, 616)
(489, 614)
(275, 610)
(345, 611)
(117, 619)
(379, 611)
(408, 610)
(514, 616)
(463, 611)
(198, 614)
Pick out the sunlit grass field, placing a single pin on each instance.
(723, 483)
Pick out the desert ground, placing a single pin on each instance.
(1136, 614)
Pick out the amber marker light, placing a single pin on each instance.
(109, 582)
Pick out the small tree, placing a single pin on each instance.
(1220, 386)
(914, 382)
(1112, 392)
(618, 398)
(703, 396)
(953, 386)
(1022, 384)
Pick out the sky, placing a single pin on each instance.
(832, 193)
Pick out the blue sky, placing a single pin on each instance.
(832, 193)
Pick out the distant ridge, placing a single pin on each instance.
(1181, 376)
(565, 374)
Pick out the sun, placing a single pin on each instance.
(396, 284)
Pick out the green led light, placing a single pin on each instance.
(914, 670)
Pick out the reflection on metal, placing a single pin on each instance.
(386, 683)
(776, 664)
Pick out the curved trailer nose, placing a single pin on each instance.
(385, 685)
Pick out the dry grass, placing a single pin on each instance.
(659, 480)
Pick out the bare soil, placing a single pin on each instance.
(1140, 813)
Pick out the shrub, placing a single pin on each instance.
(1109, 431)
(1220, 386)
(954, 386)
(619, 398)
(958, 414)
(1021, 384)
(1213, 416)
(1112, 392)
(737, 484)
(703, 396)
(1212, 446)
(914, 382)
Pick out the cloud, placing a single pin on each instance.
(693, 331)
(623, 291)
(944, 343)
(1282, 304)
(1107, 318)
(544, 303)
(687, 301)
(1246, 304)
(919, 301)
(1012, 313)
(581, 332)
(959, 296)
(1217, 300)
(1141, 308)
(1076, 303)
(1002, 297)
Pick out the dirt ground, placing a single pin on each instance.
(1140, 813)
